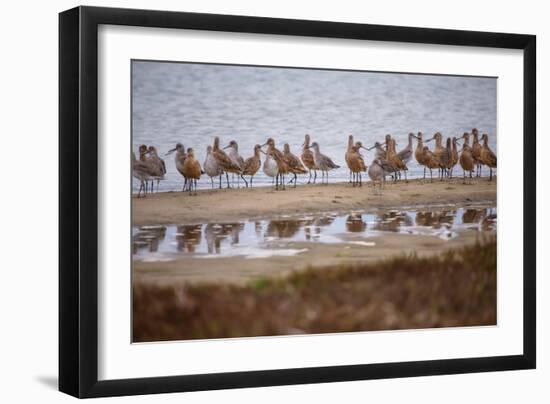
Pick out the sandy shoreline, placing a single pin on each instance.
(248, 203)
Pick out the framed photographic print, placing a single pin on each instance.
(250, 201)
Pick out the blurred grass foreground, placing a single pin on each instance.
(456, 288)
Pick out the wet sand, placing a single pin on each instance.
(355, 249)
(249, 203)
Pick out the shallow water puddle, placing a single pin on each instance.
(268, 238)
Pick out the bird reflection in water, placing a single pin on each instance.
(473, 215)
(148, 238)
(435, 219)
(220, 238)
(283, 228)
(355, 223)
(489, 222)
(258, 228)
(215, 233)
(188, 237)
(314, 226)
(392, 221)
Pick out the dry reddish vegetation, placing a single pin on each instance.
(457, 288)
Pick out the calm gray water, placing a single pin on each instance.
(192, 103)
(264, 238)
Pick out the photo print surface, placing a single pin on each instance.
(270, 201)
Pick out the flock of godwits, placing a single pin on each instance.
(277, 164)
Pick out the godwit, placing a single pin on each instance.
(191, 170)
(419, 152)
(348, 155)
(380, 153)
(158, 163)
(282, 167)
(224, 161)
(387, 141)
(142, 149)
(140, 170)
(406, 154)
(252, 165)
(356, 164)
(454, 155)
(270, 167)
(294, 164)
(431, 161)
(396, 161)
(211, 166)
(388, 167)
(438, 151)
(179, 160)
(476, 152)
(235, 157)
(466, 159)
(446, 158)
(376, 173)
(308, 160)
(324, 163)
(487, 156)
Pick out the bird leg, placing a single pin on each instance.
(246, 183)
(227, 179)
(490, 174)
(315, 178)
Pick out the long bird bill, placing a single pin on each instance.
(170, 151)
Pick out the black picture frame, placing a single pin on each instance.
(78, 201)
